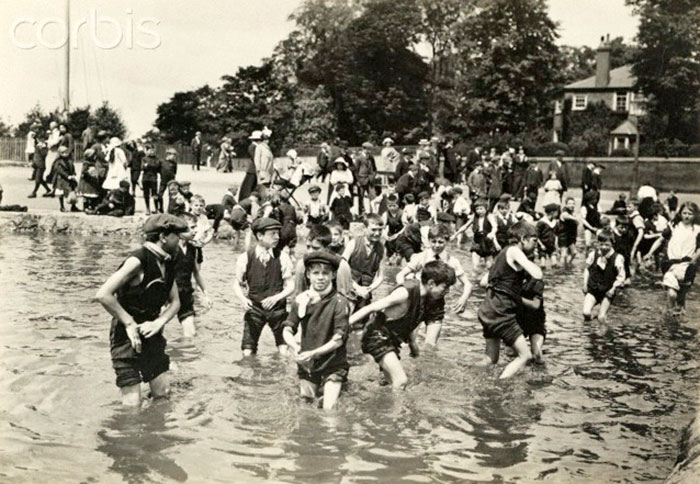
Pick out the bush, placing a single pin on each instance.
(622, 152)
(551, 148)
(694, 150)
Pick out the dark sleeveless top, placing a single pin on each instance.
(403, 327)
(503, 278)
(485, 231)
(394, 223)
(601, 280)
(593, 216)
(264, 280)
(184, 267)
(144, 301)
(502, 227)
(364, 265)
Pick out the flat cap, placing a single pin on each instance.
(173, 182)
(481, 203)
(323, 257)
(314, 188)
(423, 195)
(185, 183)
(551, 207)
(164, 222)
(265, 223)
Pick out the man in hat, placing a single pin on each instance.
(134, 296)
(264, 161)
(534, 178)
(403, 163)
(66, 139)
(168, 171)
(250, 179)
(323, 315)
(52, 142)
(196, 147)
(560, 167)
(366, 172)
(268, 274)
(449, 167)
(407, 183)
(323, 159)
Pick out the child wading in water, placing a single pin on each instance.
(269, 275)
(323, 315)
(497, 313)
(683, 253)
(396, 317)
(134, 295)
(531, 316)
(604, 274)
(568, 232)
(187, 265)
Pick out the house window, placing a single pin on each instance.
(557, 107)
(621, 101)
(580, 102)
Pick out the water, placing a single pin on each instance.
(608, 406)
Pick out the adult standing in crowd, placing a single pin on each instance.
(366, 171)
(389, 153)
(196, 147)
(323, 159)
(473, 158)
(561, 169)
(264, 159)
(519, 169)
(534, 178)
(135, 155)
(225, 150)
(450, 164)
(100, 148)
(87, 137)
(66, 139)
(30, 149)
(403, 164)
(250, 180)
(52, 143)
(168, 171)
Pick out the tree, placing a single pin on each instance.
(667, 66)
(579, 62)
(5, 129)
(185, 114)
(587, 132)
(109, 119)
(509, 66)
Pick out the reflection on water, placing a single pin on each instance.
(609, 404)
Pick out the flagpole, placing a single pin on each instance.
(68, 42)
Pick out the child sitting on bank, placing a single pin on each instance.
(341, 204)
(498, 311)
(531, 316)
(547, 228)
(396, 317)
(323, 315)
(187, 265)
(438, 236)
(118, 203)
(268, 274)
(603, 276)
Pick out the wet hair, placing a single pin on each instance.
(124, 184)
(373, 218)
(188, 216)
(521, 230)
(322, 233)
(503, 204)
(333, 224)
(441, 231)
(409, 198)
(438, 272)
(605, 236)
(198, 198)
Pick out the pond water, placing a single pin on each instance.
(609, 405)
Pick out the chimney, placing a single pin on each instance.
(602, 63)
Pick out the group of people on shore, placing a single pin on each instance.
(313, 305)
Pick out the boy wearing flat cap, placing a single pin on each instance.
(134, 296)
(323, 315)
(268, 274)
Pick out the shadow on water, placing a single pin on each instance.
(139, 440)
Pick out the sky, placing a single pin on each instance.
(137, 54)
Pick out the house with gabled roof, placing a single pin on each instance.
(615, 87)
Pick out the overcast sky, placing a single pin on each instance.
(197, 43)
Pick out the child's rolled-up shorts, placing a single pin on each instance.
(131, 367)
(378, 340)
(255, 320)
(320, 378)
(186, 305)
(497, 317)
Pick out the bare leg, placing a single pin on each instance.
(392, 368)
(188, 328)
(588, 304)
(603, 311)
(493, 348)
(672, 298)
(131, 395)
(536, 342)
(248, 352)
(331, 392)
(307, 389)
(524, 355)
(432, 333)
(283, 349)
(475, 260)
(160, 386)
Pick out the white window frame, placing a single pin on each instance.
(557, 107)
(627, 102)
(574, 107)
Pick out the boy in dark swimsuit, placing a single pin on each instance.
(134, 296)
(604, 274)
(397, 316)
(498, 311)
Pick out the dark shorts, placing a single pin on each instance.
(566, 240)
(256, 319)
(239, 219)
(152, 185)
(315, 220)
(320, 378)
(531, 323)
(186, 305)
(549, 249)
(508, 331)
(600, 295)
(131, 367)
(497, 315)
(378, 341)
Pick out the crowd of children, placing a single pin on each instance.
(313, 306)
